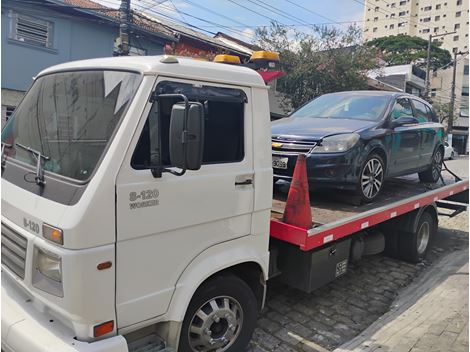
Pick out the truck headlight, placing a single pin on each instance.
(337, 143)
(49, 265)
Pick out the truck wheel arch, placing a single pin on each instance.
(241, 260)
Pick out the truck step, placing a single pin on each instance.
(149, 343)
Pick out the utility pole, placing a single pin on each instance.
(428, 62)
(450, 119)
(122, 42)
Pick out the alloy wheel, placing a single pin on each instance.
(216, 325)
(372, 178)
(436, 165)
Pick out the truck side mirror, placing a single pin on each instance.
(187, 135)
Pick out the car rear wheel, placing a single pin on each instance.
(371, 178)
(433, 173)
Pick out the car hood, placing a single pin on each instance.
(316, 128)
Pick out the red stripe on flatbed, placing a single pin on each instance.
(317, 237)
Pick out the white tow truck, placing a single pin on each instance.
(138, 211)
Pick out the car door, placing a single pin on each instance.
(164, 222)
(428, 131)
(405, 145)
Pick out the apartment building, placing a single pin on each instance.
(423, 18)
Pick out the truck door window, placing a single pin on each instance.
(223, 125)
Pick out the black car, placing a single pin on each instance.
(355, 140)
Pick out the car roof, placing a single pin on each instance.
(168, 66)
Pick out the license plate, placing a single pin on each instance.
(280, 163)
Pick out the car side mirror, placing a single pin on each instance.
(187, 135)
(404, 120)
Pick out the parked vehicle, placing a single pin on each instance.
(449, 151)
(138, 211)
(356, 140)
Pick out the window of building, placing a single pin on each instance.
(376, 19)
(454, 50)
(428, 8)
(392, 15)
(465, 70)
(401, 24)
(456, 26)
(433, 92)
(465, 91)
(402, 13)
(438, 6)
(392, 5)
(31, 30)
(374, 29)
(459, 2)
(458, 14)
(377, 9)
(402, 3)
(427, 19)
(7, 111)
(427, 30)
(437, 18)
(436, 29)
(456, 37)
(392, 26)
(223, 126)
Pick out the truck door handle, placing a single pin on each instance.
(246, 182)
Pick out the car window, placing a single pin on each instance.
(422, 112)
(430, 113)
(402, 108)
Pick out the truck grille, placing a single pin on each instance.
(286, 147)
(13, 251)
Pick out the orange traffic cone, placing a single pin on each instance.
(297, 211)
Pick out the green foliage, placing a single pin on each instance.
(404, 49)
(328, 60)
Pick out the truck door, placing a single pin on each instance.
(164, 222)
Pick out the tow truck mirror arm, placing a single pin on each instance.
(186, 135)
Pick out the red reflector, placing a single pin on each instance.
(104, 265)
(102, 329)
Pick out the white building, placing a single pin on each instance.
(423, 18)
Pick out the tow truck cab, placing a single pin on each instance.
(155, 187)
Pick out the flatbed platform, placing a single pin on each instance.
(337, 214)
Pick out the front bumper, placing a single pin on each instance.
(25, 329)
(336, 170)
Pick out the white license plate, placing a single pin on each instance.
(280, 163)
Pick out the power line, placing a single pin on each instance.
(273, 9)
(260, 14)
(216, 13)
(312, 12)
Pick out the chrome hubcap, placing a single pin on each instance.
(216, 325)
(372, 178)
(436, 165)
(423, 237)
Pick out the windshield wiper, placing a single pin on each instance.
(4, 159)
(39, 170)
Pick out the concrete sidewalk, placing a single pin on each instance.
(429, 315)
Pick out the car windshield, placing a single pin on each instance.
(345, 106)
(70, 117)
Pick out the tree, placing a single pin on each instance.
(326, 60)
(442, 110)
(404, 49)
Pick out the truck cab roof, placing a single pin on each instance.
(168, 65)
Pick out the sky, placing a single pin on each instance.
(240, 18)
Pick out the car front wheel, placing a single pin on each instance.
(371, 178)
(433, 173)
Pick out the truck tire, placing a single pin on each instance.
(433, 172)
(221, 317)
(413, 246)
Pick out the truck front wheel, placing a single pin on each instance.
(221, 317)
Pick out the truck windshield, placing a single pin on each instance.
(70, 117)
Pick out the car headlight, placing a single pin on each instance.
(49, 265)
(337, 143)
